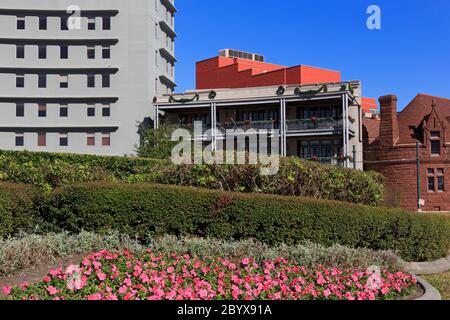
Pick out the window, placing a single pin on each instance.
(106, 23)
(435, 147)
(91, 110)
(64, 111)
(20, 81)
(63, 139)
(435, 143)
(42, 52)
(42, 23)
(42, 110)
(90, 141)
(91, 52)
(91, 23)
(106, 80)
(42, 141)
(20, 23)
(91, 80)
(106, 110)
(20, 141)
(63, 81)
(106, 139)
(20, 110)
(64, 52)
(42, 81)
(64, 23)
(436, 180)
(20, 51)
(106, 52)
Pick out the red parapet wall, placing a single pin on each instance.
(222, 72)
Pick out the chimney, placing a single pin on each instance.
(389, 132)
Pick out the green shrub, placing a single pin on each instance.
(295, 177)
(16, 208)
(154, 210)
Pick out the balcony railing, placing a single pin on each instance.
(326, 160)
(247, 125)
(314, 124)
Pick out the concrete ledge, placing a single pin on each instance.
(428, 268)
(431, 294)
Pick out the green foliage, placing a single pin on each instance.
(142, 210)
(295, 177)
(16, 208)
(157, 143)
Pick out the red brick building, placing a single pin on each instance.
(390, 148)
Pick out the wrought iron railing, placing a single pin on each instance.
(247, 125)
(314, 124)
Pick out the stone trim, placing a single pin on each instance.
(428, 268)
(431, 294)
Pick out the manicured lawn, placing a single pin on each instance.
(442, 283)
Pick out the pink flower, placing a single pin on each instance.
(72, 269)
(52, 290)
(96, 296)
(327, 293)
(7, 290)
(24, 285)
(246, 261)
(101, 276)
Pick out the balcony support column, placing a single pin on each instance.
(345, 130)
(156, 118)
(283, 128)
(214, 126)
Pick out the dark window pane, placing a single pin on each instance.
(431, 185)
(440, 183)
(20, 110)
(106, 53)
(106, 23)
(91, 111)
(64, 25)
(91, 23)
(63, 141)
(64, 51)
(106, 81)
(42, 110)
(106, 111)
(42, 23)
(21, 23)
(20, 52)
(64, 111)
(42, 52)
(91, 80)
(20, 81)
(42, 81)
(19, 141)
(436, 147)
(91, 52)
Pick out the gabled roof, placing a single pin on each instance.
(412, 117)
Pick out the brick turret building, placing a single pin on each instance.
(390, 148)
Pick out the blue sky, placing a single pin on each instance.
(409, 55)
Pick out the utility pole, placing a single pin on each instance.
(419, 204)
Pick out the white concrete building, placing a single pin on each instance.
(82, 85)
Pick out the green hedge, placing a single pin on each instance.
(152, 210)
(295, 177)
(17, 208)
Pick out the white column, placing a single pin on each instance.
(345, 125)
(156, 117)
(283, 127)
(214, 126)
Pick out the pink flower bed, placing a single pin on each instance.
(153, 276)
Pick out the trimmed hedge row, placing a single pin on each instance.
(295, 177)
(16, 208)
(153, 210)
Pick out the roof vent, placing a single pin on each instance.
(230, 53)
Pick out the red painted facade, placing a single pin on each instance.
(390, 148)
(229, 73)
(223, 72)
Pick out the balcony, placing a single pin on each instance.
(247, 125)
(326, 160)
(314, 124)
